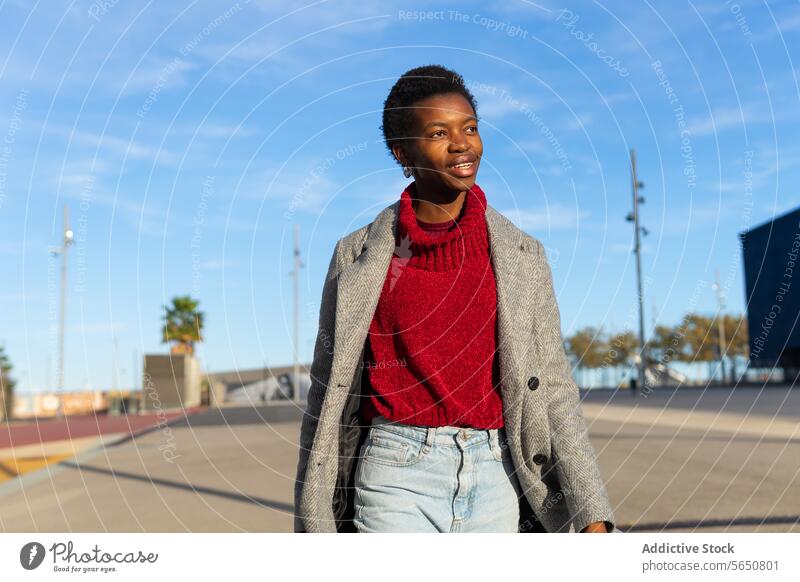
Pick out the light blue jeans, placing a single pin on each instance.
(435, 479)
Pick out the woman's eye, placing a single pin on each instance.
(438, 133)
(472, 129)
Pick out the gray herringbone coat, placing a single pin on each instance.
(553, 458)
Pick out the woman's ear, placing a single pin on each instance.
(400, 154)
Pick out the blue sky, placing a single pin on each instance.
(189, 140)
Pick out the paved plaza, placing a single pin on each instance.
(692, 460)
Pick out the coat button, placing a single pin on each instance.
(533, 382)
(539, 458)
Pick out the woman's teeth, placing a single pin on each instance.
(467, 165)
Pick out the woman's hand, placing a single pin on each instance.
(596, 527)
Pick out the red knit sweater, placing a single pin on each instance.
(430, 357)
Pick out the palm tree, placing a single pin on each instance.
(6, 386)
(183, 324)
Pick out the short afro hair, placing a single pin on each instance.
(413, 86)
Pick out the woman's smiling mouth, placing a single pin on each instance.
(464, 166)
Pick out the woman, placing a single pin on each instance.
(441, 398)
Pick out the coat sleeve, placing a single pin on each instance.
(573, 455)
(320, 375)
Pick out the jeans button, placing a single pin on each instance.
(463, 434)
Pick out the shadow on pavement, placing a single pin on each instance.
(182, 486)
(688, 524)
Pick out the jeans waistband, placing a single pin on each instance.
(443, 435)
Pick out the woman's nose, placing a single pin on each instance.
(458, 144)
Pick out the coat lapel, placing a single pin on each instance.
(360, 285)
(359, 288)
(513, 266)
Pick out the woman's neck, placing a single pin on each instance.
(434, 207)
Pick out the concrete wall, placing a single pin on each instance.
(216, 392)
(236, 383)
(171, 381)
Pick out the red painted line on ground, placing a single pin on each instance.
(46, 430)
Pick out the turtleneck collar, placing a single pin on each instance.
(446, 250)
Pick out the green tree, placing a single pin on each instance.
(183, 324)
(668, 344)
(621, 348)
(6, 386)
(738, 335)
(736, 339)
(618, 351)
(586, 348)
(700, 339)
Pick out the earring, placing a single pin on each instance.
(406, 171)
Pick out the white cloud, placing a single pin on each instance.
(304, 184)
(87, 328)
(116, 146)
(158, 75)
(547, 217)
(222, 131)
(537, 10)
(578, 122)
(216, 265)
(495, 101)
(297, 35)
(720, 119)
(789, 23)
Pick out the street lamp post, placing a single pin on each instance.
(637, 249)
(68, 239)
(720, 324)
(295, 274)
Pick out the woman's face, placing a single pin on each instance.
(444, 149)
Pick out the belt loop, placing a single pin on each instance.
(494, 439)
(430, 436)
